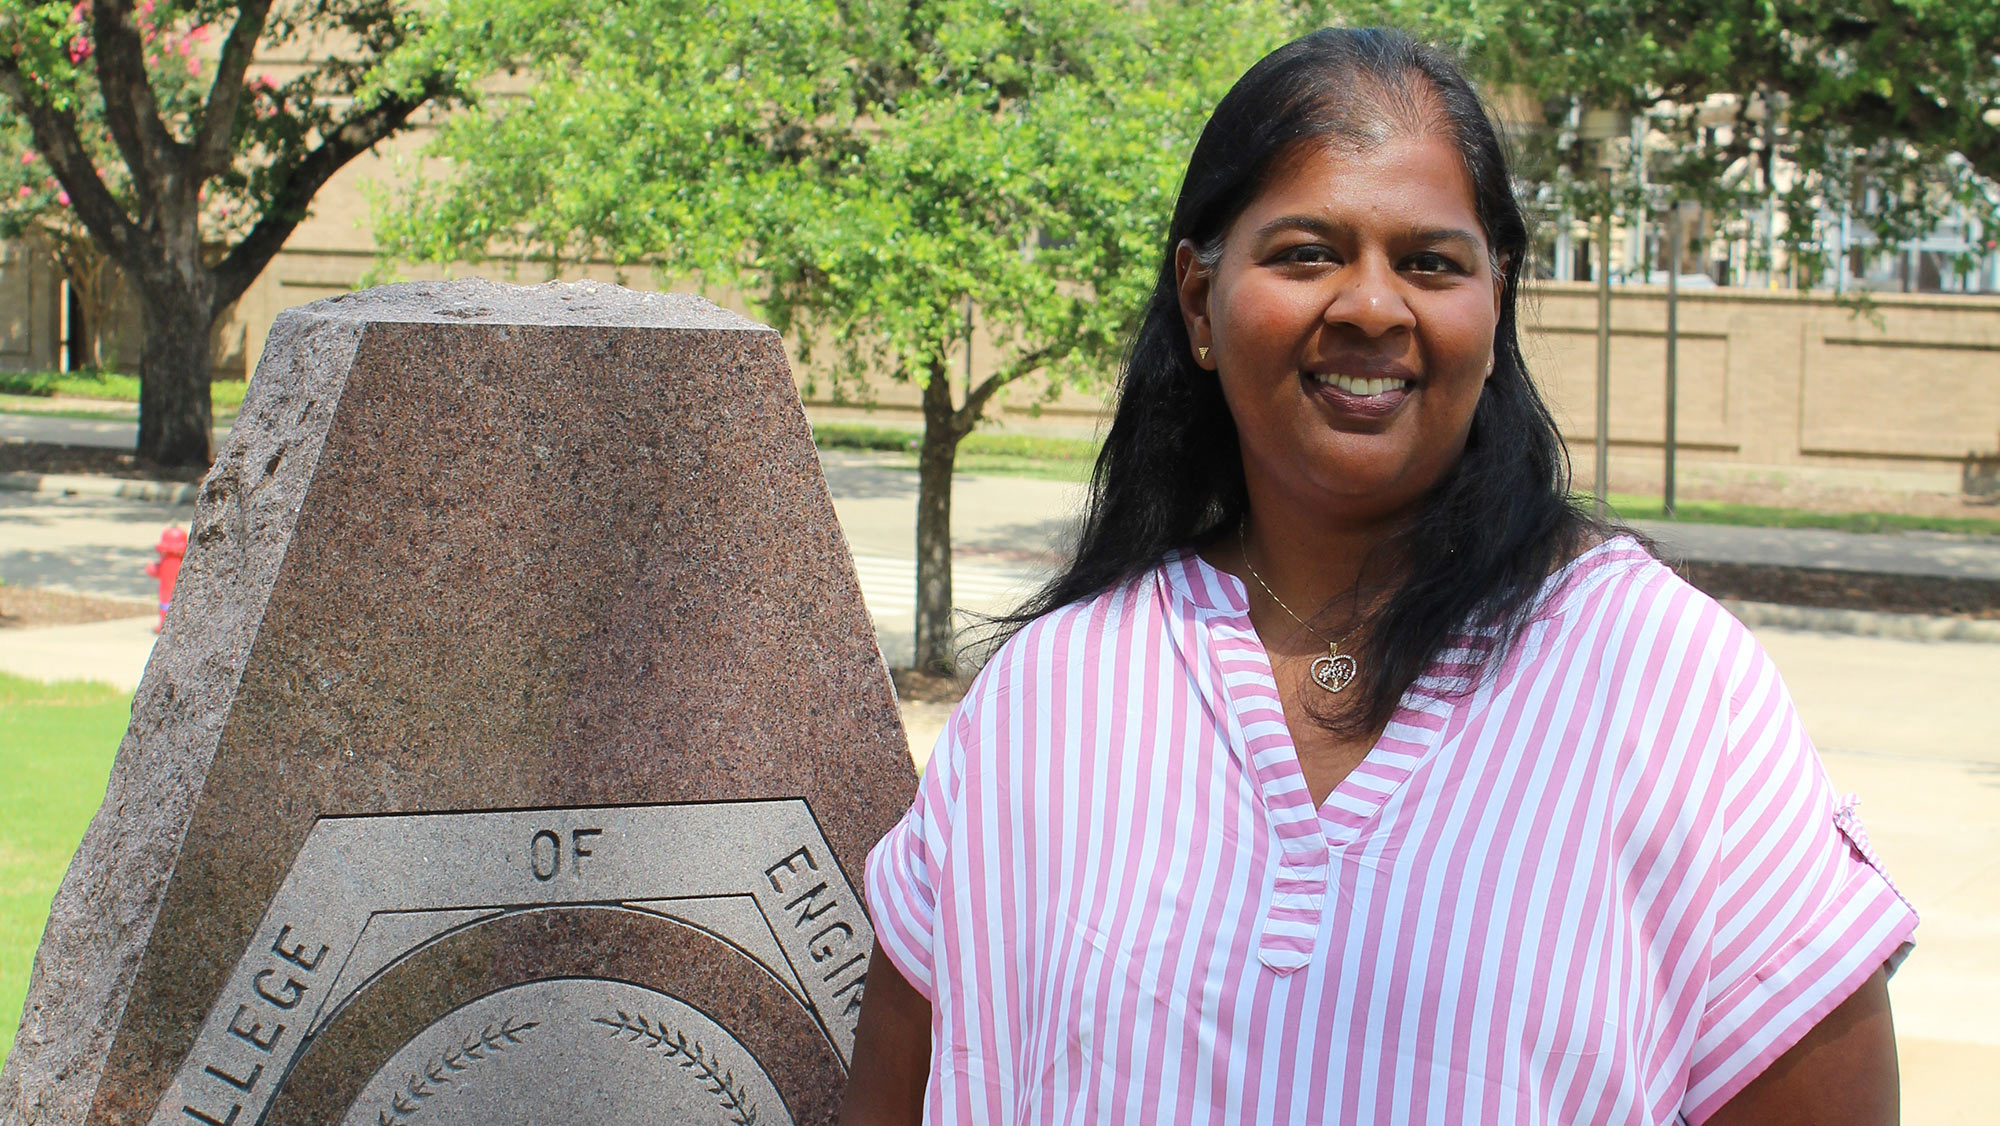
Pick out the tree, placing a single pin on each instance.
(34, 205)
(1884, 109)
(189, 176)
(871, 174)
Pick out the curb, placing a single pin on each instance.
(84, 485)
(1864, 623)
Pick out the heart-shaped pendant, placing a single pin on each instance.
(1334, 671)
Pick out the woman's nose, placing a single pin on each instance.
(1368, 298)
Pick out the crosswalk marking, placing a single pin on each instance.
(889, 584)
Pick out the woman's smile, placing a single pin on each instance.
(1362, 390)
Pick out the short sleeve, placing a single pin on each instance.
(906, 866)
(1803, 912)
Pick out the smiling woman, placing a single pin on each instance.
(1349, 313)
(1349, 773)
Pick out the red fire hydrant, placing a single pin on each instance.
(173, 547)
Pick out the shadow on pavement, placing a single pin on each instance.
(1047, 542)
(864, 480)
(109, 572)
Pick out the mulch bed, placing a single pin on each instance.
(925, 688)
(1847, 590)
(46, 457)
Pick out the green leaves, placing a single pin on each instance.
(277, 122)
(1883, 107)
(861, 168)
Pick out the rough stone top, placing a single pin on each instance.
(478, 301)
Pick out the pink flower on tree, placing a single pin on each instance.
(79, 49)
(62, 198)
(27, 158)
(26, 191)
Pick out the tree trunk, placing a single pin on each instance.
(176, 426)
(936, 651)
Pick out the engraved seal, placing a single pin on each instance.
(516, 1054)
(371, 899)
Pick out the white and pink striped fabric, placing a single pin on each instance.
(1608, 886)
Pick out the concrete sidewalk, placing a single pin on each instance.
(1937, 554)
(113, 652)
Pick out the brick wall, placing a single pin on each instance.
(1906, 391)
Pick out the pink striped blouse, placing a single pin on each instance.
(1609, 885)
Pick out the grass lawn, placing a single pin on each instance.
(56, 746)
(224, 395)
(1021, 455)
(1717, 512)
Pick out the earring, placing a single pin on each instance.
(1204, 352)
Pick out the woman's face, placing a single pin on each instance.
(1350, 321)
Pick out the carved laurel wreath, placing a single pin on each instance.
(688, 1052)
(446, 1068)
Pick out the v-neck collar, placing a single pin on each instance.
(1233, 674)
(1250, 690)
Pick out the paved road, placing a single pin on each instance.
(90, 545)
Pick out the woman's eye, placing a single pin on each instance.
(1306, 252)
(1431, 262)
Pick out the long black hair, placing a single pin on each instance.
(1170, 474)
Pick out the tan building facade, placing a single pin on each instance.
(1904, 393)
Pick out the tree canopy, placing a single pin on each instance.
(869, 174)
(34, 204)
(1887, 110)
(189, 175)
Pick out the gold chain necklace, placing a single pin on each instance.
(1332, 672)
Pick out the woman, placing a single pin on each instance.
(1350, 774)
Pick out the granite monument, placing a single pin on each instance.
(511, 752)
